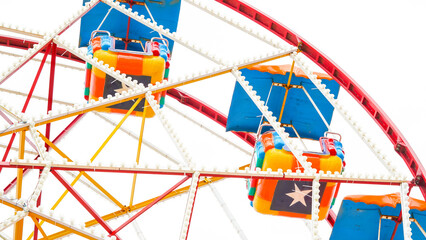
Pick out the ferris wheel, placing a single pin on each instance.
(124, 135)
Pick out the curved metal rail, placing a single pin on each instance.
(400, 144)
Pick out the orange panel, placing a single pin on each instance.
(275, 159)
(390, 200)
(284, 69)
(312, 158)
(96, 85)
(265, 189)
(131, 64)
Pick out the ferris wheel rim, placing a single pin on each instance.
(367, 97)
(401, 145)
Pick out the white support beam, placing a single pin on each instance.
(105, 118)
(355, 125)
(169, 129)
(231, 173)
(272, 120)
(315, 208)
(405, 212)
(189, 206)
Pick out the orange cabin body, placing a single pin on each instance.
(145, 68)
(292, 198)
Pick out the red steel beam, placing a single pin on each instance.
(9, 146)
(392, 132)
(30, 93)
(51, 84)
(82, 202)
(27, 101)
(24, 108)
(35, 53)
(348, 83)
(208, 111)
(179, 95)
(184, 172)
(192, 207)
(401, 145)
(150, 205)
(25, 44)
(58, 138)
(5, 117)
(354, 89)
(49, 107)
(22, 64)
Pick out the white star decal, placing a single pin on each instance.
(298, 196)
(124, 88)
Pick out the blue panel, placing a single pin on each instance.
(420, 216)
(165, 12)
(244, 115)
(361, 221)
(350, 223)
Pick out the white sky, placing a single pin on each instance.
(379, 43)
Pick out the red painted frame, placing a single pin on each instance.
(401, 145)
(183, 172)
(150, 205)
(38, 51)
(77, 196)
(58, 138)
(208, 111)
(27, 100)
(24, 44)
(360, 95)
(192, 207)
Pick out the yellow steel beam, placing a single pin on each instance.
(70, 230)
(116, 129)
(58, 224)
(91, 160)
(19, 226)
(99, 106)
(59, 201)
(10, 205)
(124, 211)
(138, 154)
(62, 154)
(54, 147)
(132, 194)
(286, 91)
(102, 189)
(39, 227)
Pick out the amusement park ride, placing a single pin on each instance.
(281, 143)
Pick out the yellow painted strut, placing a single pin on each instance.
(141, 205)
(286, 91)
(93, 158)
(19, 226)
(39, 226)
(138, 154)
(142, 95)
